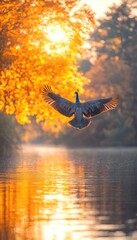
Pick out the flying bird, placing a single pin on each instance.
(82, 112)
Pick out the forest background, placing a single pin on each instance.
(103, 66)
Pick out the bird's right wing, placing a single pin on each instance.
(94, 107)
(62, 105)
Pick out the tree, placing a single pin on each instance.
(116, 34)
(114, 71)
(40, 43)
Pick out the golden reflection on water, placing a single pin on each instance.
(46, 198)
(38, 200)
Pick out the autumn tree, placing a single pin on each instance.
(40, 42)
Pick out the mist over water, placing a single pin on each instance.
(61, 194)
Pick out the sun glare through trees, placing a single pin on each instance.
(58, 39)
(40, 43)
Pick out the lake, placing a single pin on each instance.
(59, 194)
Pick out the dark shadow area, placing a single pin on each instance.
(9, 142)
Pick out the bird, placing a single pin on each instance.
(82, 112)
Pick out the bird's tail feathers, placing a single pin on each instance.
(84, 123)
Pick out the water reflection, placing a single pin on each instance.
(56, 194)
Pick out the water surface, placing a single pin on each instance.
(60, 194)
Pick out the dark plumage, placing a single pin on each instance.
(83, 112)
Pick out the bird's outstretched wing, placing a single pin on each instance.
(94, 107)
(62, 105)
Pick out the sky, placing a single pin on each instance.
(100, 6)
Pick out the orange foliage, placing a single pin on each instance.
(40, 43)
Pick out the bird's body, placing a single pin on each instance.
(78, 114)
(82, 112)
(79, 121)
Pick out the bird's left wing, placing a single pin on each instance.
(62, 105)
(94, 107)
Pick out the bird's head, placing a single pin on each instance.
(76, 92)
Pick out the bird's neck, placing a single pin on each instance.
(77, 98)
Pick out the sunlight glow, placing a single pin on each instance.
(58, 39)
(56, 33)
